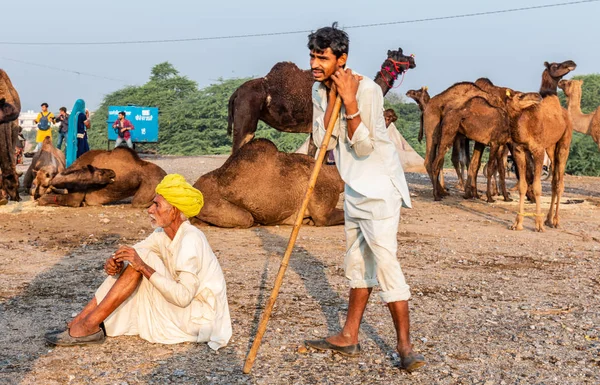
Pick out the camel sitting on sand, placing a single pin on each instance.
(46, 163)
(260, 185)
(113, 176)
(283, 99)
(588, 124)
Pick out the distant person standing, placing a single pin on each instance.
(123, 127)
(83, 123)
(63, 128)
(44, 122)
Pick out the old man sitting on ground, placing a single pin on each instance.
(169, 288)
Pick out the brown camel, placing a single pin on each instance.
(480, 121)
(471, 188)
(10, 108)
(282, 99)
(546, 127)
(453, 97)
(46, 163)
(460, 149)
(261, 185)
(115, 175)
(588, 124)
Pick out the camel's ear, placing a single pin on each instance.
(508, 93)
(425, 88)
(91, 168)
(547, 65)
(389, 53)
(400, 51)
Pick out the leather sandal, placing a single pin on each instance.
(350, 351)
(64, 338)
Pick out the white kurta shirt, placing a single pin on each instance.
(194, 280)
(368, 163)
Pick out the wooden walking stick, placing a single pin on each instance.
(262, 327)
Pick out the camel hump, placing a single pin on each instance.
(286, 81)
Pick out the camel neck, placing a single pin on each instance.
(421, 104)
(549, 85)
(385, 83)
(581, 121)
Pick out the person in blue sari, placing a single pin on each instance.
(82, 138)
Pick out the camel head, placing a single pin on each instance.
(519, 101)
(399, 61)
(420, 96)
(569, 86)
(8, 111)
(558, 70)
(100, 176)
(42, 180)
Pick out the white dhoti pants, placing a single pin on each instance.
(148, 314)
(371, 256)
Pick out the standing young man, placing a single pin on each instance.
(63, 128)
(374, 192)
(44, 122)
(123, 128)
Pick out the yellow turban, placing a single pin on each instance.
(181, 194)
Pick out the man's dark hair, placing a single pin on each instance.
(329, 37)
(123, 113)
(64, 109)
(44, 104)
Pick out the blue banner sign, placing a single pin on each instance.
(144, 120)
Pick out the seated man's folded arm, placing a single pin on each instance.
(180, 292)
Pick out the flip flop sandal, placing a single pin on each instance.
(64, 338)
(412, 362)
(350, 351)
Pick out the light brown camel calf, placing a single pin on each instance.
(588, 124)
(546, 127)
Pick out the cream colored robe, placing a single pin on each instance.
(185, 300)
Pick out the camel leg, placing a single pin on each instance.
(519, 158)
(491, 170)
(431, 121)
(448, 137)
(456, 150)
(471, 185)
(538, 163)
(558, 184)
(501, 168)
(71, 200)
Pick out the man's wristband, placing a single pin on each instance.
(350, 117)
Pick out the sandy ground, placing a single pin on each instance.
(489, 306)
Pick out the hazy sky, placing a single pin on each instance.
(508, 48)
